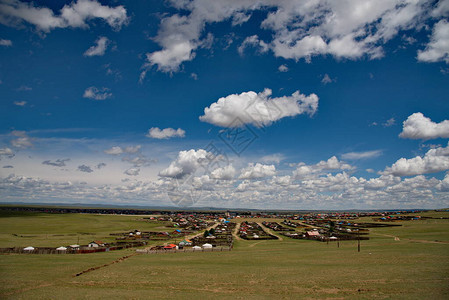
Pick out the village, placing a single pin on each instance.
(182, 231)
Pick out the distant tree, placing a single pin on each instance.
(206, 233)
(212, 231)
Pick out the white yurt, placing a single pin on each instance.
(62, 248)
(29, 248)
(207, 246)
(196, 248)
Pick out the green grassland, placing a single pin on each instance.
(414, 265)
(22, 229)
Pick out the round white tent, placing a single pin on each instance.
(29, 248)
(207, 246)
(196, 248)
(62, 248)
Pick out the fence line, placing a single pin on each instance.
(216, 249)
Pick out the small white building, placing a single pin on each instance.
(29, 248)
(207, 246)
(95, 244)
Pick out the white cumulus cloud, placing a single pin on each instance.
(254, 171)
(332, 164)
(438, 47)
(166, 133)
(186, 163)
(350, 29)
(435, 160)
(258, 108)
(225, 173)
(75, 14)
(417, 127)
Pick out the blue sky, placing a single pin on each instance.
(248, 104)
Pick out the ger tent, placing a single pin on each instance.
(29, 248)
(62, 248)
(196, 248)
(207, 246)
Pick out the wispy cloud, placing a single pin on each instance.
(361, 155)
(101, 44)
(20, 103)
(5, 43)
(97, 93)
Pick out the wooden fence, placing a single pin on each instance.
(214, 249)
(81, 250)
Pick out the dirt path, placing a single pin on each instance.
(105, 265)
(193, 235)
(235, 232)
(254, 244)
(270, 231)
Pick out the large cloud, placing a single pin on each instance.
(258, 108)
(435, 160)
(417, 126)
(253, 171)
(438, 47)
(225, 173)
(76, 14)
(332, 164)
(326, 190)
(186, 163)
(166, 133)
(300, 29)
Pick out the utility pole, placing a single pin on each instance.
(358, 239)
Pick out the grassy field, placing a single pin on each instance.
(407, 262)
(24, 229)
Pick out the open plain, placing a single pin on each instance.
(405, 262)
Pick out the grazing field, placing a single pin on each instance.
(24, 229)
(407, 262)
